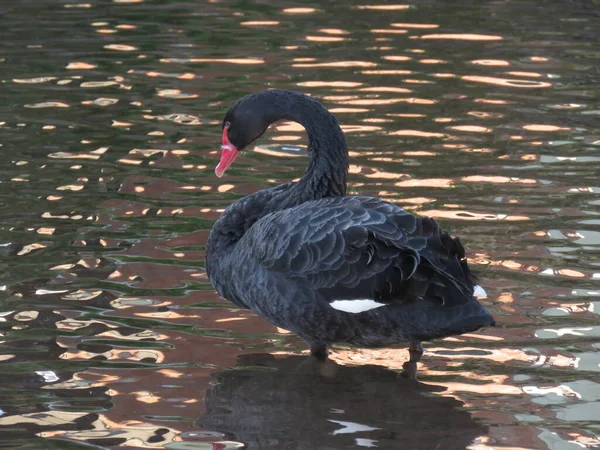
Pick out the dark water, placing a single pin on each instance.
(484, 117)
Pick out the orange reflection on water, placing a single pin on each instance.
(385, 89)
(325, 38)
(78, 65)
(469, 215)
(416, 133)
(336, 84)
(463, 37)
(388, 31)
(338, 64)
(491, 62)
(383, 7)
(471, 128)
(387, 101)
(299, 10)
(243, 61)
(415, 25)
(348, 110)
(259, 23)
(427, 182)
(539, 127)
(333, 31)
(396, 58)
(506, 82)
(498, 179)
(387, 72)
(524, 74)
(492, 101)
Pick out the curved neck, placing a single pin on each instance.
(328, 169)
(325, 177)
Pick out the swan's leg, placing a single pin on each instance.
(318, 350)
(415, 350)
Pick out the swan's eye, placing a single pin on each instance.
(227, 124)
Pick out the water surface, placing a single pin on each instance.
(484, 117)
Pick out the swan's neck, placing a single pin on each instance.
(325, 177)
(328, 169)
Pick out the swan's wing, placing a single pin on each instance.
(356, 250)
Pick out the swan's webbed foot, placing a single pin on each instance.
(415, 350)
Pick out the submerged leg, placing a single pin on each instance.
(318, 350)
(415, 350)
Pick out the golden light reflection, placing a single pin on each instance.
(490, 62)
(359, 128)
(396, 58)
(407, 115)
(121, 47)
(433, 61)
(416, 133)
(427, 182)
(383, 7)
(299, 10)
(385, 175)
(385, 89)
(546, 128)
(506, 82)
(79, 65)
(388, 101)
(415, 25)
(469, 215)
(492, 101)
(333, 31)
(388, 31)
(242, 61)
(348, 110)
(47, 105)
(338, 64)
(498, 179)
(415, 81)
(175, 94)
(102, 101)
(260, 23)
(336, 84)
(386, 72)
(524, 74)
(325, 38)
(471, 128)
(170, 373)
(463, 37)
(286, 138)
(96, 84)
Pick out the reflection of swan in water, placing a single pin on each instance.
(294, 403)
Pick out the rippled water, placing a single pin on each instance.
(484, 117)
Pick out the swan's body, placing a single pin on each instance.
(330, 267)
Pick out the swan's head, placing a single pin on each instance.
(244, 123)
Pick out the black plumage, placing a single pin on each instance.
(298, 252)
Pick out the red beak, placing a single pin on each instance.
(228, 154)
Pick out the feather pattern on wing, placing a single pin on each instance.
(349, 248)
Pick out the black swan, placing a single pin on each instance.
(330, 267)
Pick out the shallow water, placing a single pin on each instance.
(484, 117)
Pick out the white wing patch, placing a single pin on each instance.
(355, 306)
(479, 292)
